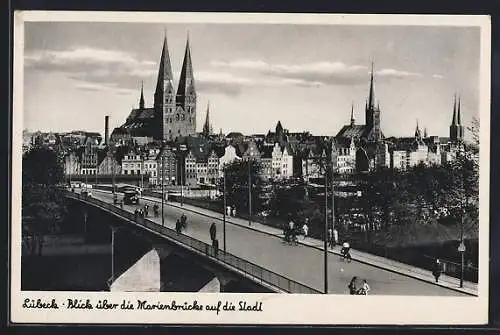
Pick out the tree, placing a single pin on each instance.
(237, 185)
(42, 204)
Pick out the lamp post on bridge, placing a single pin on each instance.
(461, 247)
(96, 162)
(250, 155)
(162, 182)
(183, 164)
(325, 242)
(70, 169)
(224, 206)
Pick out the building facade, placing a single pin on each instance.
(132, 164)
(166, 163)
(89, 158)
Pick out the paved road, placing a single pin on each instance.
(301, 263)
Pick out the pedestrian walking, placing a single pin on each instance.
(178, 226)
(215, 245)
(365, 288)
(213, 231)
(352, 285)
(305, 229)
(234, 211)
(436, 271)
(330, 238)
(335, 236)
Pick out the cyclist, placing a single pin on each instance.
(345, 251)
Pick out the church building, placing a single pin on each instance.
(368, 139)
(174, 111)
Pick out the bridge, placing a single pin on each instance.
(254, 256)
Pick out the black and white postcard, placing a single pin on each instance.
(217, 168)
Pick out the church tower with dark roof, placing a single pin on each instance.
(372, 113)
(164, 99)
(186, 97)
(456, 128)
(141, 100)
(207, 128)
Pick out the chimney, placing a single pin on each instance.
(106, 130)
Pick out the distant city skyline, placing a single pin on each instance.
(306, 76)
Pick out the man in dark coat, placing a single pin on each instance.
(436, 271)
(178, 226)
(213, 231)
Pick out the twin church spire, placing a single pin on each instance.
(174, 109)
(456, 128)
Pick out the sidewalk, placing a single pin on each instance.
(363, 257)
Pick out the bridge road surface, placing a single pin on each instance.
(300, 263)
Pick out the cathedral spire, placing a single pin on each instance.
(206, 126)
(418, 134)
(186, 80)
(352, 114)
(165, 69)
(141, 100)
(371, 97)
(459, 122)
(454, 119)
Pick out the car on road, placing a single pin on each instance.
(130, 197)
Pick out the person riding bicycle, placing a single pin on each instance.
(345, 250)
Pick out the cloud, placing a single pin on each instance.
(84, 55)
(100, 87)
(313, 74)
(222, 82)
(392, 73)
(111, 68)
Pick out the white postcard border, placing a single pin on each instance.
(277, 308)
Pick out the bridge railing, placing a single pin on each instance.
(255, 272)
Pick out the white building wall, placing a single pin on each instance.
(228, 158)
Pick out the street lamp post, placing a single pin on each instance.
(333, 202)
(162, 183)
(249, 191)
(224, 209)
(113, 173)
(326, 234)
(142, 180)
(461, 247)
(96, 161)
(182, 179)
(70, 169)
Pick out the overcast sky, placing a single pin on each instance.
(253, 74)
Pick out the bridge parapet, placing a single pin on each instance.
(254, 272)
